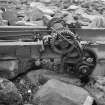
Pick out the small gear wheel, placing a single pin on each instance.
(89, 57)
(88, 63)
(82, 70)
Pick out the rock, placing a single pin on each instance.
(36, 14)
(55, 92)
(66, 3)
(98, 22)
(43, 76)
(45, 1)
(61, 14)
(26, 88)
(69, 18)
(46, 10)
(96, 87)
(89, 101)
(42, 8)
(1, 18)
(55, 2)
(72, 7)
(101, 80)
(36, 4)
(11, 16)
(53, 8)
(9, 94)
(46, 19)
(8, 67)
(4, 23)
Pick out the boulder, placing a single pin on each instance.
(69, 18)
(46, 19)
(96, 87)
(66, 3)
(98, 22)
(36, 4)
(61, 14)
(46, 10)
(40, 9)
(42, 76)
(9, 94)
(55, 92)
(8, 67)
(11, 16)
(36, 14)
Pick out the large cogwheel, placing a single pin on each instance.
(64, 42)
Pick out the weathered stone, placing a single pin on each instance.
(98, 22)
(46, 10)
(45, 1)
(4, 23)
(9, 94)
(101, 80)
(66, 3)
(96, 87)
(26, 88)
(61, 14)
(36, 14)
(46, 19)
(55, 92)
(43, 76)
(8, 67)
(11, 16)
(69, 18)
(40, 7)
(72, 7)
(36, 4)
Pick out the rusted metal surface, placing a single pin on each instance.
(85, 34)
(91, 34)
(16, 32)
(94, 38)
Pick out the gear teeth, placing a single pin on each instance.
(67, 34)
